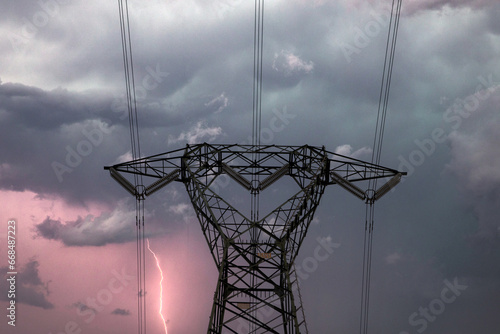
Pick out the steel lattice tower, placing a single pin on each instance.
(256, 283)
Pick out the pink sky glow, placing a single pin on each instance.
(76, 275)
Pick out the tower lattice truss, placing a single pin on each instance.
(257, 286)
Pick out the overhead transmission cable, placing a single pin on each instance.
(258, 48)
(130, 95)
(385, 86)
(257, 104)
(376, 155)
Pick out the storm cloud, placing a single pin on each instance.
(63, 118)
(31, 289)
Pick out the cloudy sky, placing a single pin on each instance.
(437, 237)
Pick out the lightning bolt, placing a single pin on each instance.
(161, 288)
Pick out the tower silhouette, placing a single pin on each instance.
(257, 287)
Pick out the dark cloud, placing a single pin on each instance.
(114, 227)
(35, 108)
(30, 288)
(49, 229)
(43, 128)
(120, 311)
(22, 8)
(55, 141)
(81, 307)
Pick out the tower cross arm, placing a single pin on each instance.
(353, 170)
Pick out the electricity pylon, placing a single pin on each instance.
(255, 255)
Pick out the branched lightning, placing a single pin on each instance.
(161, 288)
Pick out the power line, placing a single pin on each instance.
(376, 156)
(386, 80)
(256, 152)
(258, 47)
(141, 267)
(257, 70)
(129, 76)
(128, 65)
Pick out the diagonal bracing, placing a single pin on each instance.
(256, 286)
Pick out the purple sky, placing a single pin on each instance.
(437, 236)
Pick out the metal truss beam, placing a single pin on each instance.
(255, 291)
